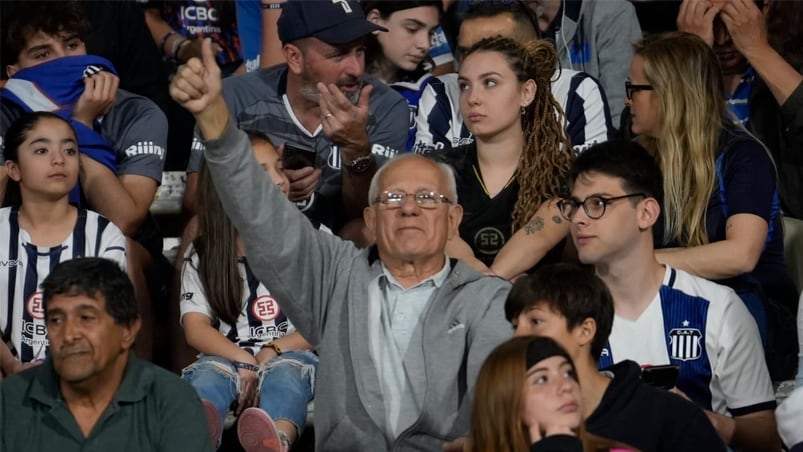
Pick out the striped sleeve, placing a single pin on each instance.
(438, 121)
(587, 114)
(109, 241)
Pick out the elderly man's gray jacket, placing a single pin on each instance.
(321, 283)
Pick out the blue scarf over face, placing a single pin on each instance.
(55, 86)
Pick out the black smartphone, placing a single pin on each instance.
(664, 377)
(294, 157)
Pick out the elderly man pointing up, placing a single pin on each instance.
(401, 329)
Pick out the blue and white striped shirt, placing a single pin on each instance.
(24, 265)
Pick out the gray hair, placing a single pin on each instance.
(446, 171)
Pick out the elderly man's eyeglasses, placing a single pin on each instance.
(631, 88)
(594, 206)
(424, 199)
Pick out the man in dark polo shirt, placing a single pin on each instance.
(92, 394)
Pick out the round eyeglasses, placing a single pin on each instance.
(594, 206)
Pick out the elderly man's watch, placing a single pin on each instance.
(360, 164)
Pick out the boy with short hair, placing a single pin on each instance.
(572, 306)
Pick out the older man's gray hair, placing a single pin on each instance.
(445, 169)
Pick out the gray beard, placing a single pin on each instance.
(354, 98)
(309, 91)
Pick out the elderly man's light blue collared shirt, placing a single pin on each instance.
(396, 316)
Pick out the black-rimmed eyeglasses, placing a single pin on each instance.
(594, 206)
(631, 88)
(424, 199)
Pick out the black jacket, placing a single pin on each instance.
(780, 127)
(558, 443)
(649, 418)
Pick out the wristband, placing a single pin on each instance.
(274, 346)
(164, 41)
(246, 366)
(177, 48)
(271, 6)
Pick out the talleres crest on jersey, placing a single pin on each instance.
(685, 343)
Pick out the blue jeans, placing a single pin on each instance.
(286, 385)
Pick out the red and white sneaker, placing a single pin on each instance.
(213, 422)
(257, 432)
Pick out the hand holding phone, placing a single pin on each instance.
(294, 158)
(664, 377)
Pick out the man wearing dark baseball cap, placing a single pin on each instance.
(333, 22)
(321, 101)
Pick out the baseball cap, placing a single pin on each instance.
(331, 21)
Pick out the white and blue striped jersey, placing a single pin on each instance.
(439, 124)
(704, 328)
(23, 267)
(588, 118)
(261, 319)
(411, 91)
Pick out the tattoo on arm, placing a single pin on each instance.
(556, 219)
(534, 225)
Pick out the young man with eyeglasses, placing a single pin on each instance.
(664, 315)
(401, 329)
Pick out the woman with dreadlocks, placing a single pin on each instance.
(508, 180)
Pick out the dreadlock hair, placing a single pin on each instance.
(547, 153)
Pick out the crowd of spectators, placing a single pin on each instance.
(376, 191)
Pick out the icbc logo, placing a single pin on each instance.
(199, 13)
(34, 306)
(31, 329)
(265, 308)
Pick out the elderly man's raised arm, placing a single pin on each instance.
(283, 248)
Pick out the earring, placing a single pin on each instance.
(522, 111)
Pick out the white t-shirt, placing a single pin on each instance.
(261, 319)
(23, 267)
(706, 329)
